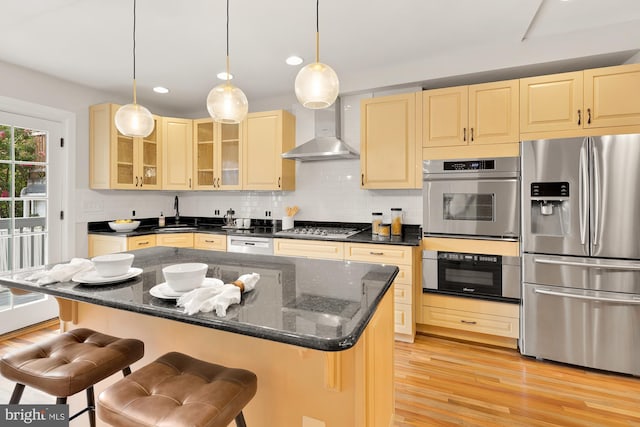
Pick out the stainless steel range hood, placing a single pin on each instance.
(326, 145)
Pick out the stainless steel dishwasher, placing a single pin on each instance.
(250, 244)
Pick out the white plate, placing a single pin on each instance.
(91, 277)
(163, 290)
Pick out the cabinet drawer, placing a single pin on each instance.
(212, 242)
(308, 248)
(177, 240)
(403, 321)
(472, 305)
(378, 254)
(402, 293)
(472, 322)
(141, 242)
(404, 275)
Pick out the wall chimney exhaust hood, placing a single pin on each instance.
(326, 145)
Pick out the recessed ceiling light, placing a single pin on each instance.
(293, 60)
(160, 89)
(223, 76)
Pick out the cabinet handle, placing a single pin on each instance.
(588, 116)
(464, 134)
(471, 134)
(189, 182)
(141, 181)
(279, 179)
(209, 241)
(468, 322)
(362, 180)
(376, 253)
(218, 179)
(143, 243)
(579, 117)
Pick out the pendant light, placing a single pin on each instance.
(317, 85)
(227, 103)
(134, 119)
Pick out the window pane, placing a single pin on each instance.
(30, 145)
(5, 182)
(5, 298)
(5, 142)
(31, 180)
(5, 248)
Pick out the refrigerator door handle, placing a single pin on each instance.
(587, 264)
(587, 297)
(596, 195)
(584, 191)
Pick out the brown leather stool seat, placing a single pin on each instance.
(69, 363)
(178, 390)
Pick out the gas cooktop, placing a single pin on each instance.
(308, 232)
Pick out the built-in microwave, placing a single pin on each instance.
(492, 277)
(472, 198)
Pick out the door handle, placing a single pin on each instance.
(588, 116)
(583, 191)
(586, 297)
(141, 182)
(464, 134)
(279, 181)
(189, 182)
(471, 134)
(579, 117)
(362, 180)
(596, 195)
(586, 264)
(136, 181)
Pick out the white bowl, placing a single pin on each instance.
(124, 226)
(185, 277)
(112, 264)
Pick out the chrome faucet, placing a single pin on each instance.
(176, 207)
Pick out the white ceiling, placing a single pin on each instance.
(370, 43)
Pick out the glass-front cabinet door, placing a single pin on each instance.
(149, 168)
(230, 155)
(124, 162)
(204, 149)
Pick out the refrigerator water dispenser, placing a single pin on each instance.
(550, 204)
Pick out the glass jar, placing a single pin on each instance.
(384, 230)
(376, 220)
(396, 221)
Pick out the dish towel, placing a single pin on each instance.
(217, 297)
(61, 272)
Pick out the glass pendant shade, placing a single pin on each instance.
(227, 104)
(134, 120)
(317, 86)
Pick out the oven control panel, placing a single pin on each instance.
(475, 258)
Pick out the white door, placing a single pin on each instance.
(31, 195)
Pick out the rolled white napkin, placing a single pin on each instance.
(217, 297)
(61, 272)
(247, 282)
(204, 300)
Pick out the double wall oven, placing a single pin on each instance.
(473, 199)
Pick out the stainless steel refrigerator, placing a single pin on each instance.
(581, 244)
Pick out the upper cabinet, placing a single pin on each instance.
(177, 164)
(121, 162)
(217, 158)
(266, 136)
(465, 115)
(595, 98)
(389, 152)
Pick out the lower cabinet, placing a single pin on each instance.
(472, 319)
(210, 242)
(308, 248)
(176, 240)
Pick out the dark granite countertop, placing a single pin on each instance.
(411, 234)
(319, 304)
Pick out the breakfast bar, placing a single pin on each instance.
(317, 333)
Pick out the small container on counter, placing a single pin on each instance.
(376, 220)
(384, 230)
(396, 221)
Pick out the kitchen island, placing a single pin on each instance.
(318, 334)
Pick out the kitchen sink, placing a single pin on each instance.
(175, 228)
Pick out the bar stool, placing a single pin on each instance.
(69, 363)
(177, 390)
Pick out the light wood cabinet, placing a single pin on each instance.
(389, 152)
(267, 135)
(594, 98)
(177, 165)
(405, 286)
(217, 149)
(210, 242)
(464, 115)
(100, 244)
(121, 162)
(308, 248)
(176, 240)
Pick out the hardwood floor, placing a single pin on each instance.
(441, 382)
